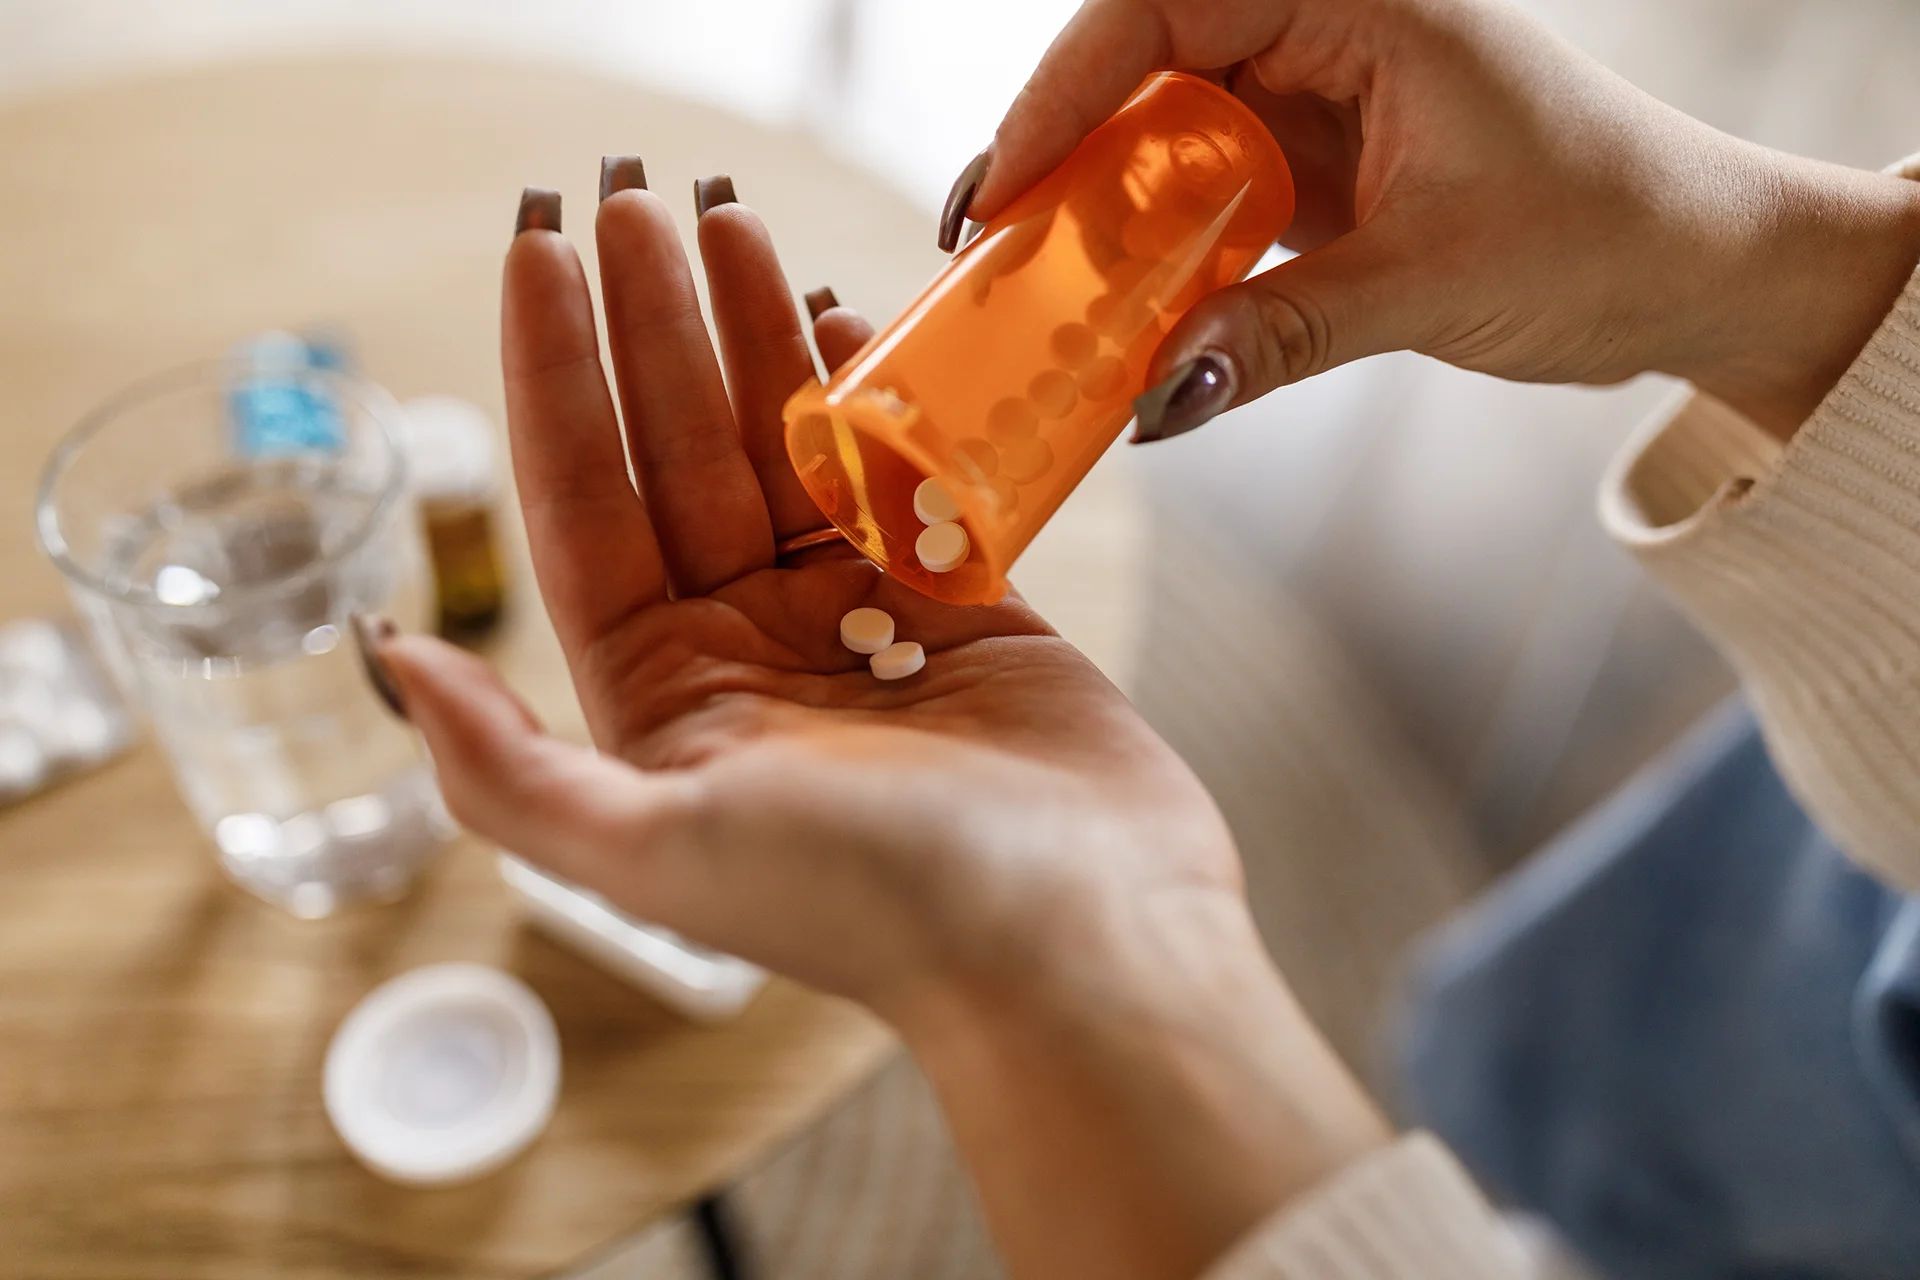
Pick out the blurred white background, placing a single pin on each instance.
(908, 87)
(913, 88)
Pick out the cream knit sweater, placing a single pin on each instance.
(1802, 562)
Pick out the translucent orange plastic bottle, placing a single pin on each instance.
(1016, 368)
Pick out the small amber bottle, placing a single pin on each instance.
(451, 457)
(1016, 368)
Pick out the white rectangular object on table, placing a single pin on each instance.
(705, 985)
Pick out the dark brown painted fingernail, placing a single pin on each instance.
(370, 631)
(539, 211)
(710, 193)
(621, 173)
(1196, 393)
(960, 199)
(820, 300)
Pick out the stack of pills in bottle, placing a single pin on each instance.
(942, 545)
(870, 631)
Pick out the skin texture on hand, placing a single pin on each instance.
(1474, 189)
(996, 854)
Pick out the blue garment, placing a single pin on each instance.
(1688, 1034)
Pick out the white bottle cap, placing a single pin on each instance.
(443, 1074)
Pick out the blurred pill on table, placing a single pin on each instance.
(59, 712)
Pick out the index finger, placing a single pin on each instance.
(1094, 64)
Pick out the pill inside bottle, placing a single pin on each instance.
(933, 504)
(941, 548)
(993, 394)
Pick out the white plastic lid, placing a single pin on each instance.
(443, 1074)
(450, 449)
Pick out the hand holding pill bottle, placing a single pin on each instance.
(1016, 368)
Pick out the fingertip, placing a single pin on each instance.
(546, 313)
(820, 301)
(631, 218)
(537, 250)
(742, 265)
(733, 220)
(839, 333)
(644, 268)
(617, 202)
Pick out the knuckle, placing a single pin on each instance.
(1292, 338)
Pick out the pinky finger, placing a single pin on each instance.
(840, 332)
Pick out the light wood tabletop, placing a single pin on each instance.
(161, 1034)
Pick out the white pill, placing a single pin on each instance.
(867, 630)
(933, 504)
(941, 547)
(898, 661)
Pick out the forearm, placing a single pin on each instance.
(1136, 1111)
(1803, 564)
(1814, 255)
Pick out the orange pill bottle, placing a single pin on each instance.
(1016, 368)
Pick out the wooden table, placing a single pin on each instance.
(161, 1034)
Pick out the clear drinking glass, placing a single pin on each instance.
(217, 526)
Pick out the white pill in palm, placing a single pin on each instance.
(941, 547)
(933, 503)
(867, 630)
(898, 661)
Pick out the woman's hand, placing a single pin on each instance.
(756, 786)
(1474, 189)
(996, 854)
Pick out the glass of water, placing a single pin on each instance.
(218, 525)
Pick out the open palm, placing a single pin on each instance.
(756, 787)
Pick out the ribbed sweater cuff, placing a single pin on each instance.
(1408, 1211)
(1802, 562)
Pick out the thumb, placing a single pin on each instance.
(1344, 300)
(592, 819)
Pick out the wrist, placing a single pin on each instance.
(1156, 1088)
(1815, 257)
